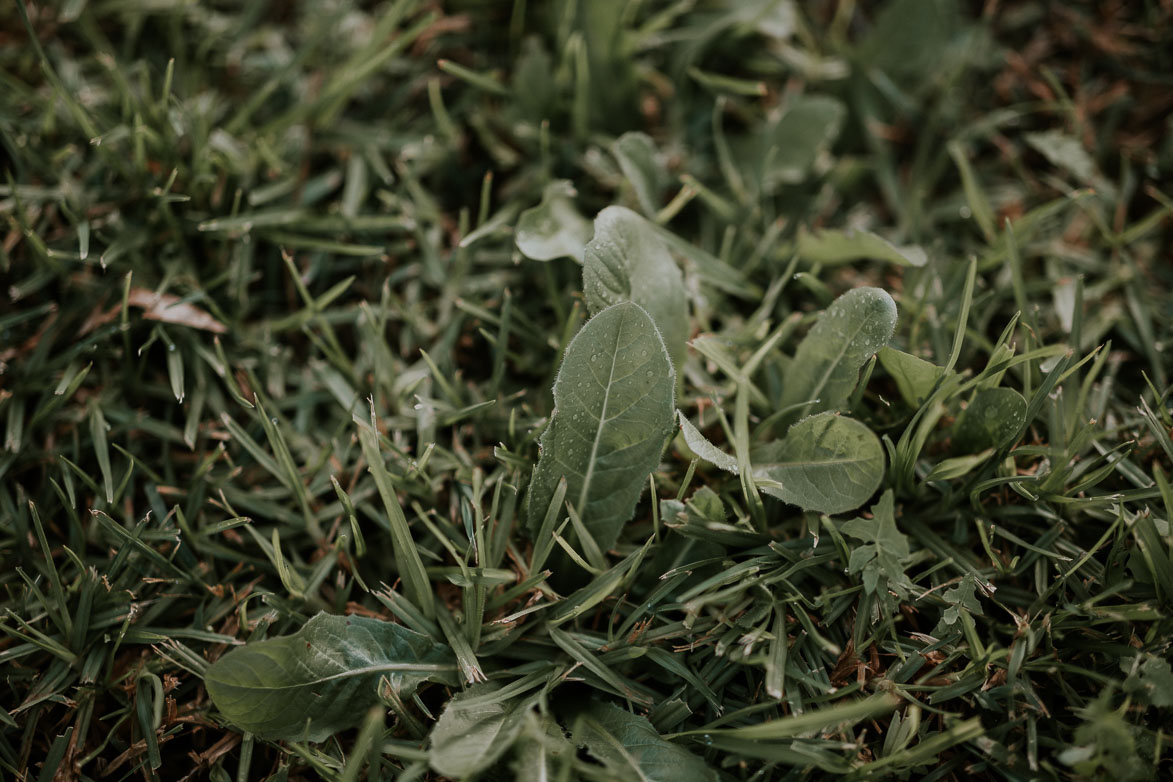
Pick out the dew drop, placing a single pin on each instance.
(273, 420)
(650, 373)
(170, 348)
(594, 357)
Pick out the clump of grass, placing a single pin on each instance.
(269, 348)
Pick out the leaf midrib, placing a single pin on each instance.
(406, 667)
(813, 396)
(586, 479)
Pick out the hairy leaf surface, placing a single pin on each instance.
(704, 448)
(322, 678)
(613, 412)
(627, 261)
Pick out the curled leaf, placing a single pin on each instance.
(553, 228)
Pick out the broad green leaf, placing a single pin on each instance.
(885, 551)
(791, 145)
(639, 161)
(631, 748)
(700, 445)
(990, 420)
(627, 261)
(323, 678)
(613, 413)
(826, 367)
(826, 463)
(832, 248)
(553, 228)
(542, 750)
(475, 730)
(914, 376)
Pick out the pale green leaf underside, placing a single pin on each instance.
(914, 376)
(323, 678)
(628, 261)
(631, 748)
(831, 248)
(613, 412)
(826, 366)
(826, 463)
(475, 730)
(553, 228)
(702, 447)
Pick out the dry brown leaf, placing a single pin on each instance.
(169, 309)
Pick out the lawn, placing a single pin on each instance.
(692, 391)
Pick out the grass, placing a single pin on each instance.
(268, 348)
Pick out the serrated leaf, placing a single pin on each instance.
(826, 463)
(831, 248)
(990, 420)
(700, 445)
(631, 748)
(627, 261)
(613, 412)
(914, 376)
(475, 730)
(962, 597)
(826, 366)
(885, 551)
(322, 678)
(553, 228)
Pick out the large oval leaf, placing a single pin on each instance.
(613, 412)
(627, 261)
(323, 678)
(826, 367)
(826, 463)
